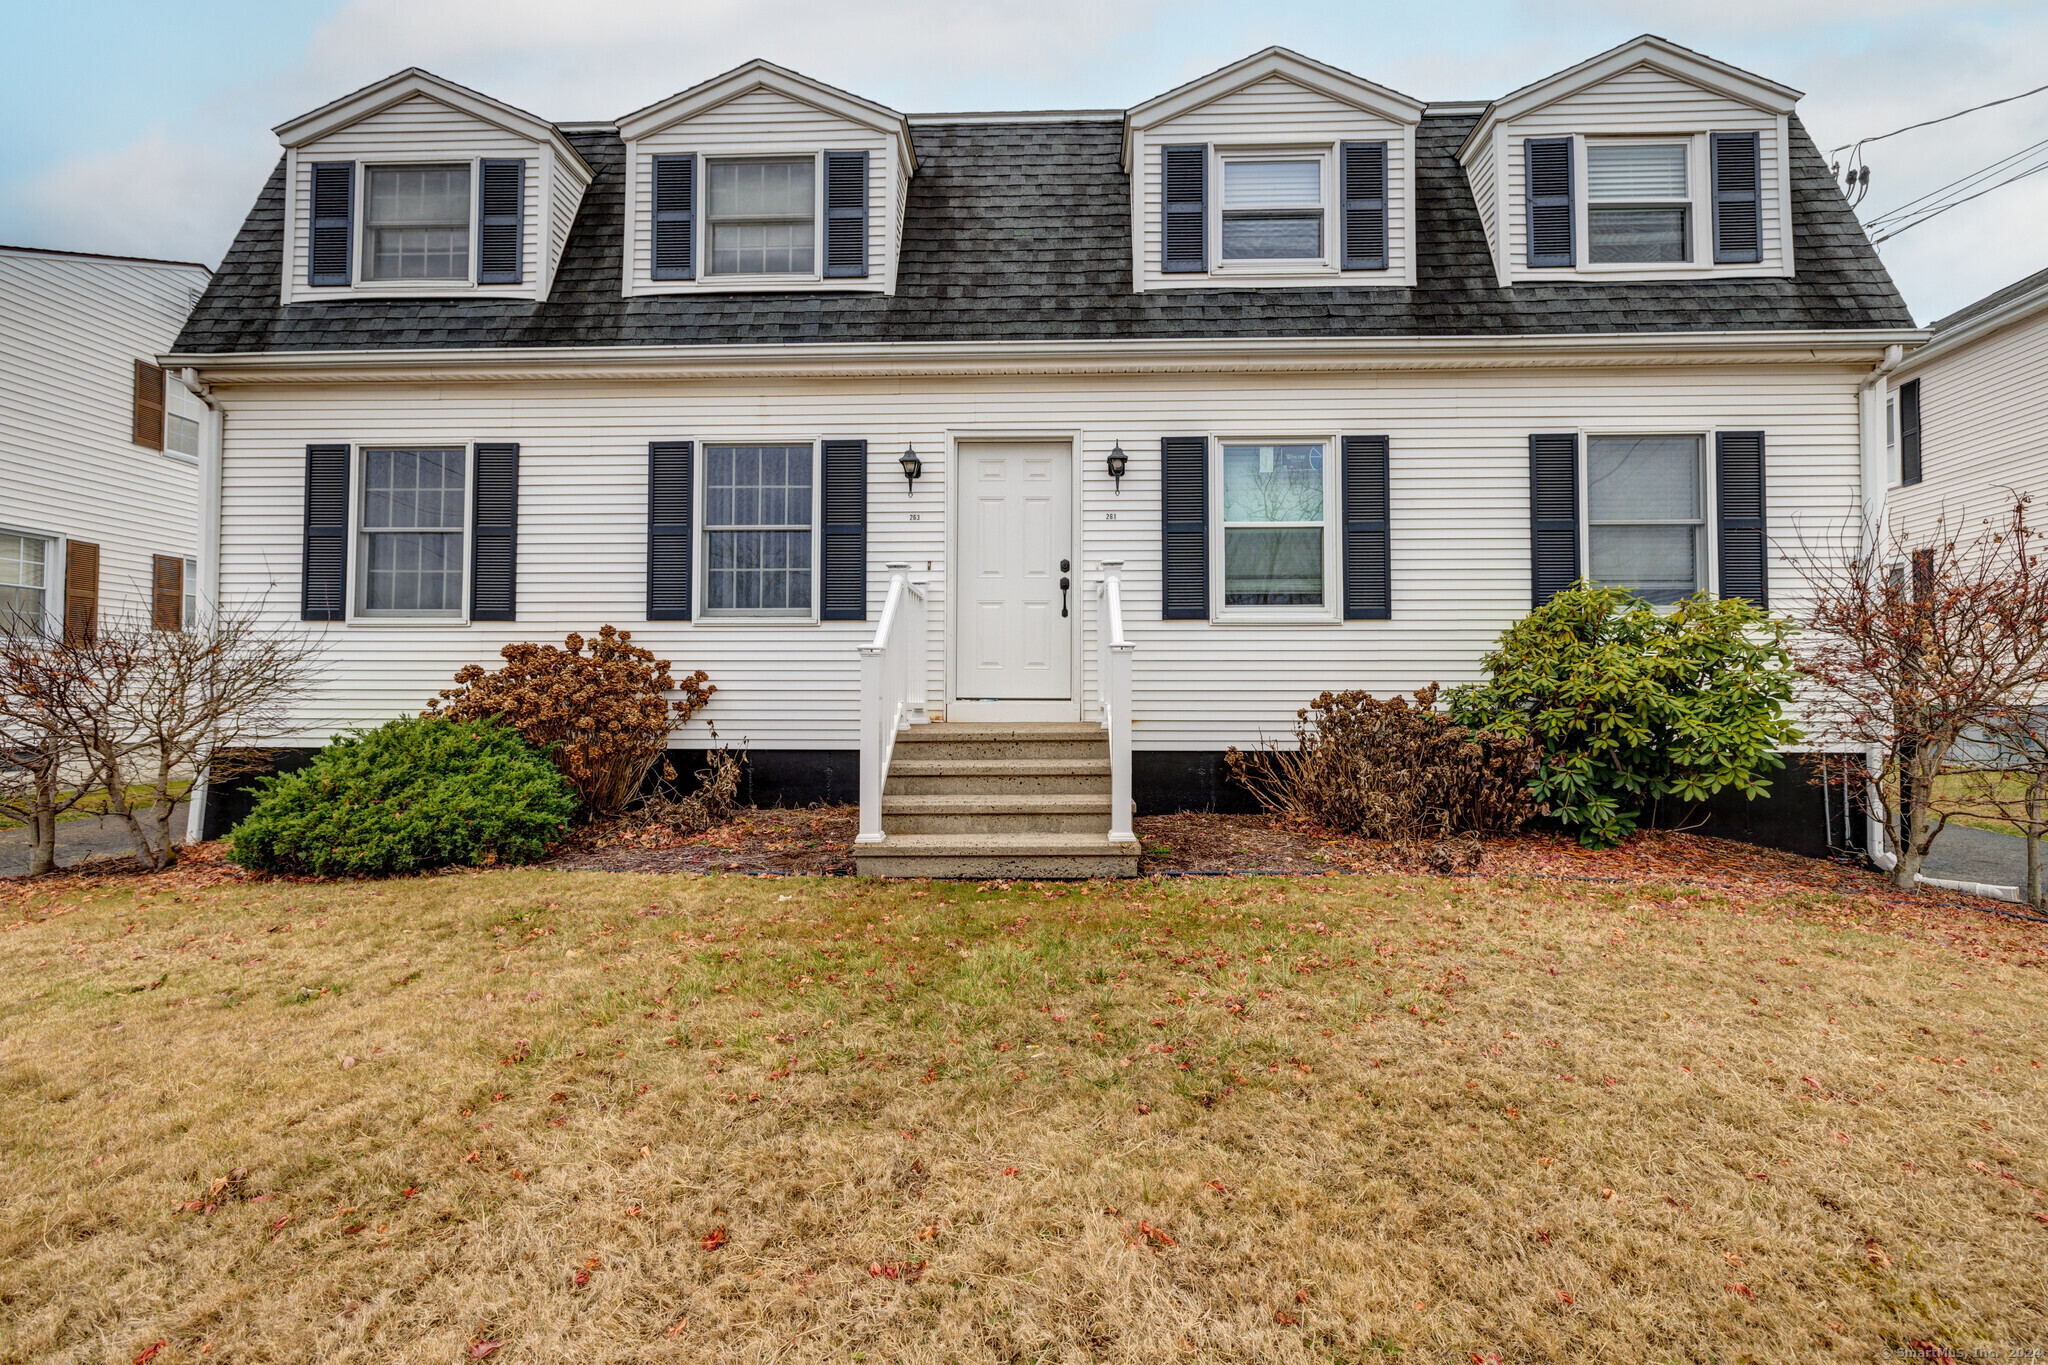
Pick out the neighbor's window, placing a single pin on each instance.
(412, 531)
(24, 578)
(1273, 525)
(1638, 204)
(1891, 441)
(181, 434)
(761, 217)
(1645, 517)
(757, 528)
(416, 223)
(190, 618)
(1273, 210)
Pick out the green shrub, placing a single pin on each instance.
(411, 795)
(1630, 706)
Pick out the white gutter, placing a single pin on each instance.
(207, 591)
(1115, 357)
(2013, 310)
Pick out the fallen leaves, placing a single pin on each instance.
(1743, 1290)
(896, 1270)
(714, 1239)
(479, 1350)
(1876, 1255)
(148, 1353)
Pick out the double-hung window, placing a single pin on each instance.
(1638, 202)
(1646, 515)
(1273, 531)
(1273, 209)
(411, 531)
(190, 616)
(757, 530)
(24, 583)
(763, 216)
(416, 223)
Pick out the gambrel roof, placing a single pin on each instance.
(1021, 231)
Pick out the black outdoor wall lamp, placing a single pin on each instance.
(1118, 463)
(912, 468)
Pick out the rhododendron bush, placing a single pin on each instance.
(599, 708)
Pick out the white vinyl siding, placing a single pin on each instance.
(1279, 119)
(759, 125)
(423, 131)
(1460, 545)
(1983, 409)
(71, 330)
(1646, 103)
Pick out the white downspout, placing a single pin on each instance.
(1876, 481)
(207, 591)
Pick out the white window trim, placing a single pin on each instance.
(359, 249)
(1895, 464)
(1709, 546)
(702, 225)
(55, 547)
(358, 561)
(1331, 609)
(1325, 155)
(701, 611)
(1698, 205)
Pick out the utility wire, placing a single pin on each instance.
(1961, 184)
(1929, 123)
(1892, 232)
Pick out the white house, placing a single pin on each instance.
(1967, 421)
(1150, 424)
(99, 448)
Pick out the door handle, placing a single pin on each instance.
(1063, 594)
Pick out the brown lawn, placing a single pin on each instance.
(554, 1115)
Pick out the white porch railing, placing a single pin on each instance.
(1113, 678)
(892, 680)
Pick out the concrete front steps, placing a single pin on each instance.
(988, 799)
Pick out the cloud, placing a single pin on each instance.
(176, 198)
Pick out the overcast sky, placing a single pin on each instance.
(143, 129)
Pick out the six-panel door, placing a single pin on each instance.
(1015, 547)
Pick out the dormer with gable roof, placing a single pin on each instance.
(764, 180)
(417, 187)
(1647, 162)
(1276, 171)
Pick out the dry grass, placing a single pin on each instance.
(1332, 1119)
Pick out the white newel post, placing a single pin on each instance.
(916, 660)
(1116, 700)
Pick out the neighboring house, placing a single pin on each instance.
(99, 448)
(1966, 423)
(1151, 423)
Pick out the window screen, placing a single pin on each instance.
(1272, 525)
(1272, 210)
(412, 531)
(24, 583)
(1644, 502)
(762, 217)
(1637, 204)
(417, 223)
(757, 528)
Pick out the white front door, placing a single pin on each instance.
(1015, 545)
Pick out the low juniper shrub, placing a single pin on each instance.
(411, 795)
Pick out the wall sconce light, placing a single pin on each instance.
(1118, 463)
(912, 468)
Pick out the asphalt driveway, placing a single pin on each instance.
(78, 840)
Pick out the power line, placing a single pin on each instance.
(1929, 123)
(1944, 208)
(1962, 183)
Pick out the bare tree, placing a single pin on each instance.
(144, 708)
(1914, 647)
(40, 776)
(2002, 770)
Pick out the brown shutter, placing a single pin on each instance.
(167, 593)
(81, 591)
(149, 405)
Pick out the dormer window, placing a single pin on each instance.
(763, 217)
(416, 223)
(1272, 209)
(1638, 202)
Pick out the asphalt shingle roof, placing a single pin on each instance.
(1996, 299)
(1021, 231)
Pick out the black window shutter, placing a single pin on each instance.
(1365, 205)
(675, 221)
(500, 221)
(1184, 528)
(1184, 181)
(1553, 515)
(1738, 211)
(846, 217)
(1368, 570)
(1547, 185)
(843, 559)
(1909, 432)
(669, 490)
(332, 236)
(494, 534)
(323, 564)
(1739, 507)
